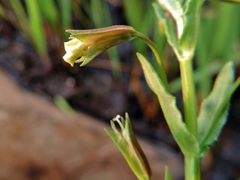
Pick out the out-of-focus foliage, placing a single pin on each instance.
(218, 42)
(35, 18)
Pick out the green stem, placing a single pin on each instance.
(192, 168)
(157, 54)
(189, 95)
(192, 163)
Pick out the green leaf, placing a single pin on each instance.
(36, 27)
(134, 17)
(229, 1)
(175, 7)
(18, 9)
(225, 31)
(169, 27)
(213, 111)
(186, 141)
(49, 10)
(188, 27)
(65, 11)
(63, 105)
(100, 14)
(167, 174)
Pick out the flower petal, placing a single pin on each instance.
(74, 50)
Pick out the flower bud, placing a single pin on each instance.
(129, 147)
(87, 44)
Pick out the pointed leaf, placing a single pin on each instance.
(36, 27)
(173, 6)
(186, 141)
(169, 28)
(167, 174)
(188, 27)
(213, 111)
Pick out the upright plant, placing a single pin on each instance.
(198, 128)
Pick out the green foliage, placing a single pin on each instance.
(31, 20)
(217, 42)
(36, 27)
(214, 109)
(167, 174)
(186, 141)
(214, 42)
(144, 21)
(101, 17)
(62, 104)
(65, 11)
(49, 11)
(193, 134)
(129, 147)
(213, 112)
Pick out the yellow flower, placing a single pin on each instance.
(87, 44)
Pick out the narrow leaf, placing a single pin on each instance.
(188, 26)
(173, 6)
(167, 174)
(49, 10)
(186, 141)
(36, 26)
(213, 111)
(18, 9)
(65, 11)
(169, 28)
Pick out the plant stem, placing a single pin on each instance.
(192, 168)
(192, 163)
(154, 48)
(189, 95)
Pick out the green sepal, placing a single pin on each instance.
(213, 111)
(130, 149)
(186, 140)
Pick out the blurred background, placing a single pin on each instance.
(32, 34)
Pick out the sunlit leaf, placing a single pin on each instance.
(48, 7)
(169, 27)
(36, 26)
(186, 141)
(213, 111)
(188, 27)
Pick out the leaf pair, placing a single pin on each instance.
(212, 116)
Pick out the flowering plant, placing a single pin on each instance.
(200, 127)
